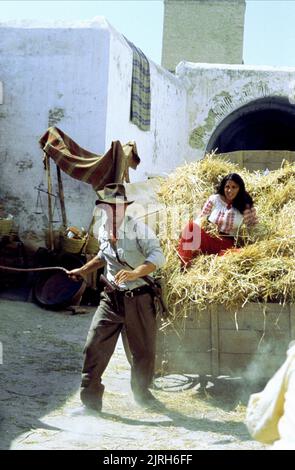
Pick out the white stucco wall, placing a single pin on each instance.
(76, 76)
(162, 148)
(216, 90)
(53, 75)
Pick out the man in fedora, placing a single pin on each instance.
(129, 250)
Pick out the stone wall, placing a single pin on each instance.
(76, 76)
(52, 75)
(215, 92)
(163, 147)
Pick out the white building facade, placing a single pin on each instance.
(78, 77)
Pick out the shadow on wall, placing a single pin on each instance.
(42, 357)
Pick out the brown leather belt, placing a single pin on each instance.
(130, 293)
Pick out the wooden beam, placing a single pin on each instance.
(49, 190)
(292, 321)
(61, 198)
(214, 340)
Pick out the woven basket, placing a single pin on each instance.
(72, 245)
(5, 226)
(92, 245)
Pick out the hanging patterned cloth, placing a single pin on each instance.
(140, 107)
(97, 170)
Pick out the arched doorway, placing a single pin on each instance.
(264, 124)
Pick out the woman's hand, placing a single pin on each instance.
(124, 275)
(250, 216)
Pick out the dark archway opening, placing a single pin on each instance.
(263, 124)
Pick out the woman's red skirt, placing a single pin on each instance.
(194, 240)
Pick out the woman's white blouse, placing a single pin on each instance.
(227, 218)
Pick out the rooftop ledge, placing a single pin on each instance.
(96, 22)
(182, 66)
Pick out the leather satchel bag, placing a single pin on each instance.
(158, 297)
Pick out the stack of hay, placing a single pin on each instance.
(263, 269)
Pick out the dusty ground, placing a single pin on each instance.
(40, 406)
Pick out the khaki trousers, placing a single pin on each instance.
(114, 312)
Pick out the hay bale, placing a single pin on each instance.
(263, 269)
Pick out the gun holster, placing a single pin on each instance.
(109, 286)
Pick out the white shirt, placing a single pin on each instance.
(227, 218)
(136, 244)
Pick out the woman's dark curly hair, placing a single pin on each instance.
(243, 200)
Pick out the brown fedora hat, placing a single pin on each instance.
(113, 193)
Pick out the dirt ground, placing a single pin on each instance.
(40, 407)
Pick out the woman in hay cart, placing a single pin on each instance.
(225, 211)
